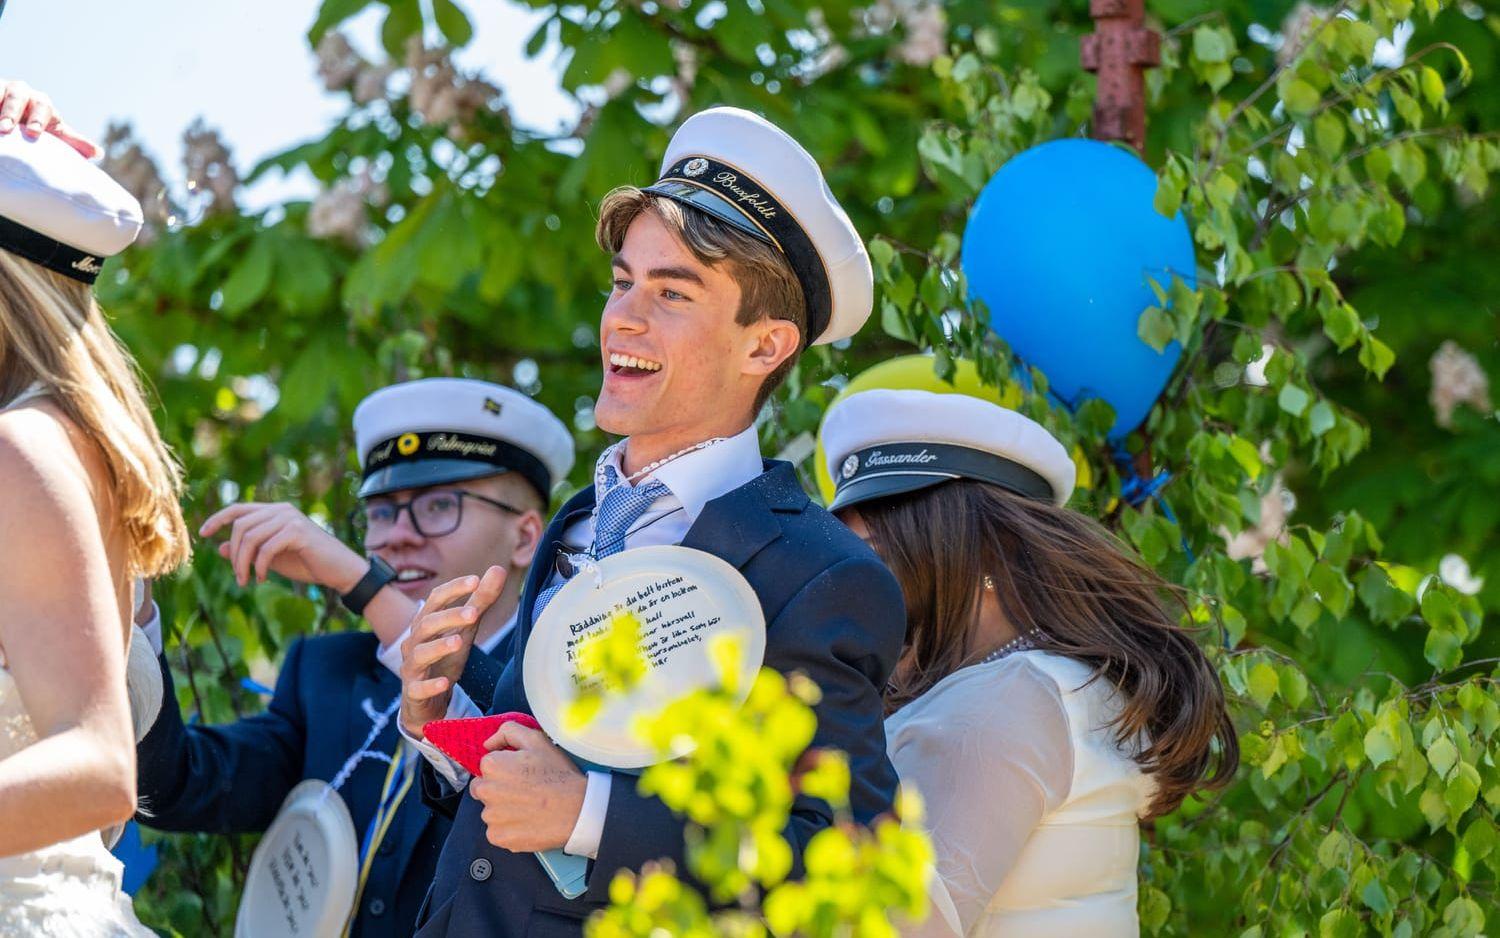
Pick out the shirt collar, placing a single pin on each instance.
(699, 477)
(488, 645)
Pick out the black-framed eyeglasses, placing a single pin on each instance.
(433, 514)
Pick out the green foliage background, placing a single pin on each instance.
(1365, 688)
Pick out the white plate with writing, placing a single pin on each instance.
(684, 599)
(304, 871)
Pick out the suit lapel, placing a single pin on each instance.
(739, 524)
(362, 789)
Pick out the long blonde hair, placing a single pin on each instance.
(53, 333)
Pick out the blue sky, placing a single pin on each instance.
(243, 65)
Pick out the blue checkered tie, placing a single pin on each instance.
(621, 507)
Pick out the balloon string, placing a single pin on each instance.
(1136, 490)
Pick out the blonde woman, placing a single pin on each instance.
(88, 503)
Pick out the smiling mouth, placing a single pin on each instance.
(411, 576)
(632, 365)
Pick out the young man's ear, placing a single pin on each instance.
(529, 529)
(775, 341)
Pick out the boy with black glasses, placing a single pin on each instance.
(456, 478)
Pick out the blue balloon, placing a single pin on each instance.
(1062, 246)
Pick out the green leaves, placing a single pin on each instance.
(330, 14)
(1155, 328)
(1171, 183)
(453, 23)
(251, 277)
(1263, 684)
(1213, 49)
(1300, 97)
(1292, 399)
(403, 20)
(1383, 741)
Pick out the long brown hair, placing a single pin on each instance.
(53, 333)
(1061, 573)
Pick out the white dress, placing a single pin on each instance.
(1032, 807)
(67, 890)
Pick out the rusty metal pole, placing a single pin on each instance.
(1120, 51)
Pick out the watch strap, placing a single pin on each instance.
(374, 580)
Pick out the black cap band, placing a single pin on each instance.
(896, 468)
(731, 196)
(466, 447)
(49, 252)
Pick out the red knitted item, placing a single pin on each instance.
(463, 740)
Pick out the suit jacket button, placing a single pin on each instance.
(479, 870)
(377, 907)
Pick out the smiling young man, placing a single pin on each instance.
(456, 479)
(723, 270)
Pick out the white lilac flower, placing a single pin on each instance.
(1457, 379)
(340, 211)
(1454, 570)
(138, 174)
(206, 161)
(1297, 29)
(338, 63)
(1275, 505)
(926, 34)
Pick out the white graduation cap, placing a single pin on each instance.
(746, 171)
(439, 430)
(59, 210)
(888, 442)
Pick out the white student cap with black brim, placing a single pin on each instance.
(888, 442)
(60, 211)
(747, 172)
(437, 431)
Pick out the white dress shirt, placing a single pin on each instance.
(692, 481)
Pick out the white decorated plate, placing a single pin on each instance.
(684, 598)
(304, 871)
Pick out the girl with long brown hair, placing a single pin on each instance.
(1046, 698)
(88, 504)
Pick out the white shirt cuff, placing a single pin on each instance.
(460, 706)
(153, 630)
(390, 655)
(584, 841)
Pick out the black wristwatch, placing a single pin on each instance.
(374, 580)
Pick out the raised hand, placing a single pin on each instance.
(434, 654)
(23, 106)
(278, 538)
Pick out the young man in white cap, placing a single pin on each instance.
(456, 478)
(724, 269)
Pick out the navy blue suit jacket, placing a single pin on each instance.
(232, 779)
(833, 612)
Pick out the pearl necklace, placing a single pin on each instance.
(1026, 641)
(652, 467)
